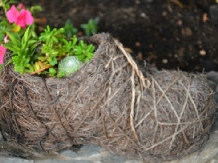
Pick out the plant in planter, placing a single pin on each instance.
(44, 54)
(91, 27)
(160, 117)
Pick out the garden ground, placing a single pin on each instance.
(168, 34)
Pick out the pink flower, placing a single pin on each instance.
(22, 18)
(2, 53)
(12, 14)
(20, 6)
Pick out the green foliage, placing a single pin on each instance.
(42, 54)
(83, 51)
(70, 30)
(22, 50)
(52, 71)
(91, 27)
(4, 27)
(56, 45)
(51, 36)
(5, 4)
(35, 8)
(1, 67)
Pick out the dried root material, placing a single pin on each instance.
(108, 102)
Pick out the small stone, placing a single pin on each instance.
(179, 22)
(143, 15)
(164, 13)
(205, 18)
(202, 52)
(165, 61)
(137, 44)
(186, 31)
(137, 2)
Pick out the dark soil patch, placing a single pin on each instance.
(167, 35)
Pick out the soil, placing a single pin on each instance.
(168, 34)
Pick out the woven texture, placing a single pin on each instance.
(163, 116)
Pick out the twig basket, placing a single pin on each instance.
(163, 116)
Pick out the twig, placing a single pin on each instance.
(132, 112)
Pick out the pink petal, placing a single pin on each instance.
(29, 18)
(21, 6)
(24, 18)
(2, 53)
(12, 14)
(21, 19)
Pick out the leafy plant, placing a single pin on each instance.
(34, 9)
(70, 30)
(91, 27)
(3, 29)
(55, 46)
(83, 51)
(22, 50)
(41, 54)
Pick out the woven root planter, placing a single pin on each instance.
(163, 116)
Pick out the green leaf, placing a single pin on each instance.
(31, 69)
(52, 71)
(90, 55)
(42, 59)
(74, 40)
(49, 59)
(35, 8)
(54, 61)
(13, 39)
(54, 39)
(61, 75)
(84, 26)
(82, 44)
(33, 43)
(12, 47)
(78, 50)
(59, 31)
(81, 57)
(26, 36)
(1, 66)
(18, 64)
(91, 27)
(2, 36)
(90, 48)
(70, 30)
